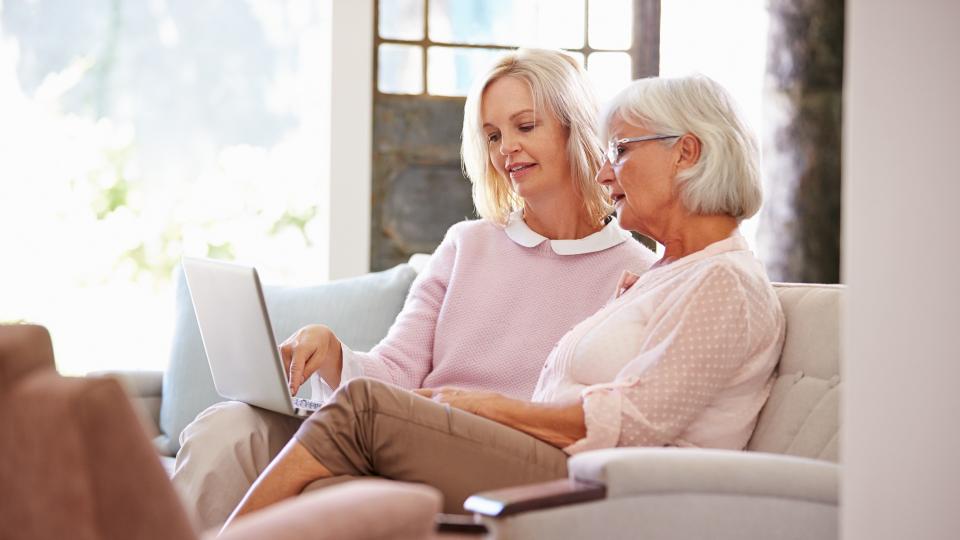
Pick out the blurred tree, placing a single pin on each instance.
(800, 225)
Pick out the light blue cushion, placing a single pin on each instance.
(360, 310)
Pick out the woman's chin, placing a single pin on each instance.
(524, 188)
(624, 221)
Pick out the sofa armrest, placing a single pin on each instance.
(626, 472)
(674, 494)
(509, 501)
(145, 390)
(633, 471)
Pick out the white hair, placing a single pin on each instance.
(559, 85)
(726, 179)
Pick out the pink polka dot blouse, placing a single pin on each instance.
(683, 355)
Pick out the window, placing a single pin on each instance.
(695, 37)
(437, 47)
(137, 132)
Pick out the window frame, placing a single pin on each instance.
(644, 50)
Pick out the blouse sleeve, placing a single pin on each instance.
(692, 351)
(405, 356)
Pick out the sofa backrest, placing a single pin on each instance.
(24, 349)
(801, 417)
(360, 310)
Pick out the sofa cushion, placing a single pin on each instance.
(360, 310)
(801, 417)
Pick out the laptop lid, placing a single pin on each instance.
(237, 335)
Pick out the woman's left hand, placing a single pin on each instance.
(467, 400)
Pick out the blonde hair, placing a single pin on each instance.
(726, 180)
(558, 85)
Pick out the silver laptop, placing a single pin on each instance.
(238, 338)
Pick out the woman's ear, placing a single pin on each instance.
(689, 151)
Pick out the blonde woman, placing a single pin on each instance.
(683, 355)
(496, 295)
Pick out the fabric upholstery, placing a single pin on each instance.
(360, 310)
(24, 348)
(74, 461)
(144, 388)
(628, 472)
(363, 509)
(675, 516)
(801, 417)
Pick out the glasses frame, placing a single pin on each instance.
(611, 154)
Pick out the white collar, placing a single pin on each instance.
(610, 235)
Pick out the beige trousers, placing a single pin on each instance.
(373, 428)
(223, 451)
(367, 428)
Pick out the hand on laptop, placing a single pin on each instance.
(312, 349)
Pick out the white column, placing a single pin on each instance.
(901, 324)
(346, 200)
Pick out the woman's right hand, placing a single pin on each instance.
(312, 349)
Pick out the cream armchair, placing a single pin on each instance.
(785, 486)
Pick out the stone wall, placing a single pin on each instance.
(418, 188)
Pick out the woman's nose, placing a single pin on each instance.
(605, 175)
(508, 146)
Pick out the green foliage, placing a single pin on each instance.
(111, 198)
(222, 251)
(297, 221)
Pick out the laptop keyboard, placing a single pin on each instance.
(308, 404)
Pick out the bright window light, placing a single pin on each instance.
(134, 133)
(726, 41)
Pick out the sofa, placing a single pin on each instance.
(360, 310)
(76, 463)
(785, 485)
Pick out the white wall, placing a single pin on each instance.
(350, 138)
(901, 413)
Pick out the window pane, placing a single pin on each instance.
(400, 69)
(451, 70)
(401, 19)
(541, 23)
(610, 72)
(695, 38)
(560, 24)
(611, 22)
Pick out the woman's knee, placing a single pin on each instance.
(227, 423)
(372, 395)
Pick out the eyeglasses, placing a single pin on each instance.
(615, 147)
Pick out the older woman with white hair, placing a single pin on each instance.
(682, 355)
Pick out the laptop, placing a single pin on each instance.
(238, 337)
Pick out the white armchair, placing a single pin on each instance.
(785, 486)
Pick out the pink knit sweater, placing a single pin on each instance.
(491, 304)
